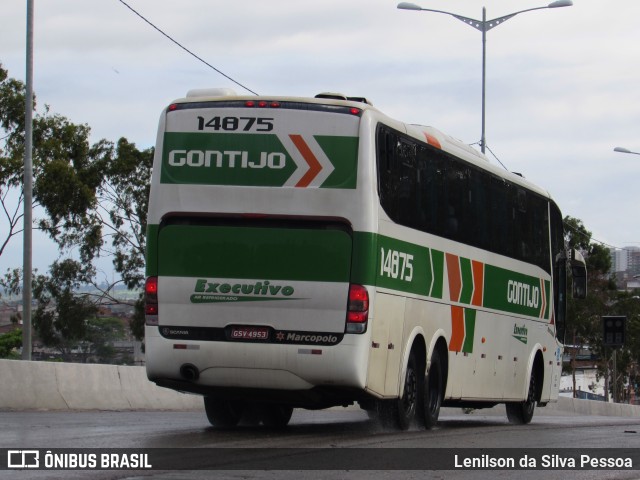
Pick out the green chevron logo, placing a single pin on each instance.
(260, 160)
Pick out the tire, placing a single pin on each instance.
(401, 412)
(223, 413)
(433, 391)
(251, 415)
(521, 413)
(276, 416)
(410, 401)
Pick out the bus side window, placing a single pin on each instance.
(479, 185)
(386, 177)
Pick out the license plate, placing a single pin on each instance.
(249, 333)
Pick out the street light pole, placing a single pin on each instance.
(484, 26)
(28, 193)
(483, 139)
(624, 150)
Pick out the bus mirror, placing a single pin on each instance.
(579, 274)
(580, 286)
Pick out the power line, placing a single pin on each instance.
(186, 49)
(589, 236)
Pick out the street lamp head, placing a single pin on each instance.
(622, 150)
(560, 3)
(484, 26)
(408, 6)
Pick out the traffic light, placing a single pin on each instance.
(613, 330)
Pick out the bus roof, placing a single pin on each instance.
(434, 136)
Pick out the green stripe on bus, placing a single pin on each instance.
(259, 160)
(403, 266)
(365, 248)
(225, 159)
(254, 253)
(328, 255)
(342, 152)
(437, 258)
(512, 292)
(467, 280)
(469, 329)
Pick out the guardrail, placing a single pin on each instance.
(77, 386)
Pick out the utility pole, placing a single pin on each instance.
(28, 193)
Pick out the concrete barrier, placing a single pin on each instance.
(77, 386)
(28, 385)
(565, 406)
(593, 407)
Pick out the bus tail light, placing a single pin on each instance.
(151, 301)
(357, 309)
(262, 104)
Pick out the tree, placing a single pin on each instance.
(126, 191)
(113, 223)
(66, 319)
(603, 299)
(9, 342)
(101, 334)
(627, 357)
(12, 95)
(60, 317)
(94, 196)
(585, 315)
(67, 170)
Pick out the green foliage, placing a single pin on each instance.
(65, 319)
(12, 102)
(129, 176)
(12, 95)
(9, 342)
(585, 316)
(576, 235)
(101, 333)
(94, 197)
(61, 315)
(628, 357)
(599, 261)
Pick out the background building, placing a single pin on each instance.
(625, 263)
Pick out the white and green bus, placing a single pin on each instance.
(313, 252)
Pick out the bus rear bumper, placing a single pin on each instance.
(259, 367)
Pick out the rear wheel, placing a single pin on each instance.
(522, 412)
(276, 416)
(223, 413)
(413, 385)
(401, 412)
(433, 386)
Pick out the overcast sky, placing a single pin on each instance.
(563, 85)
